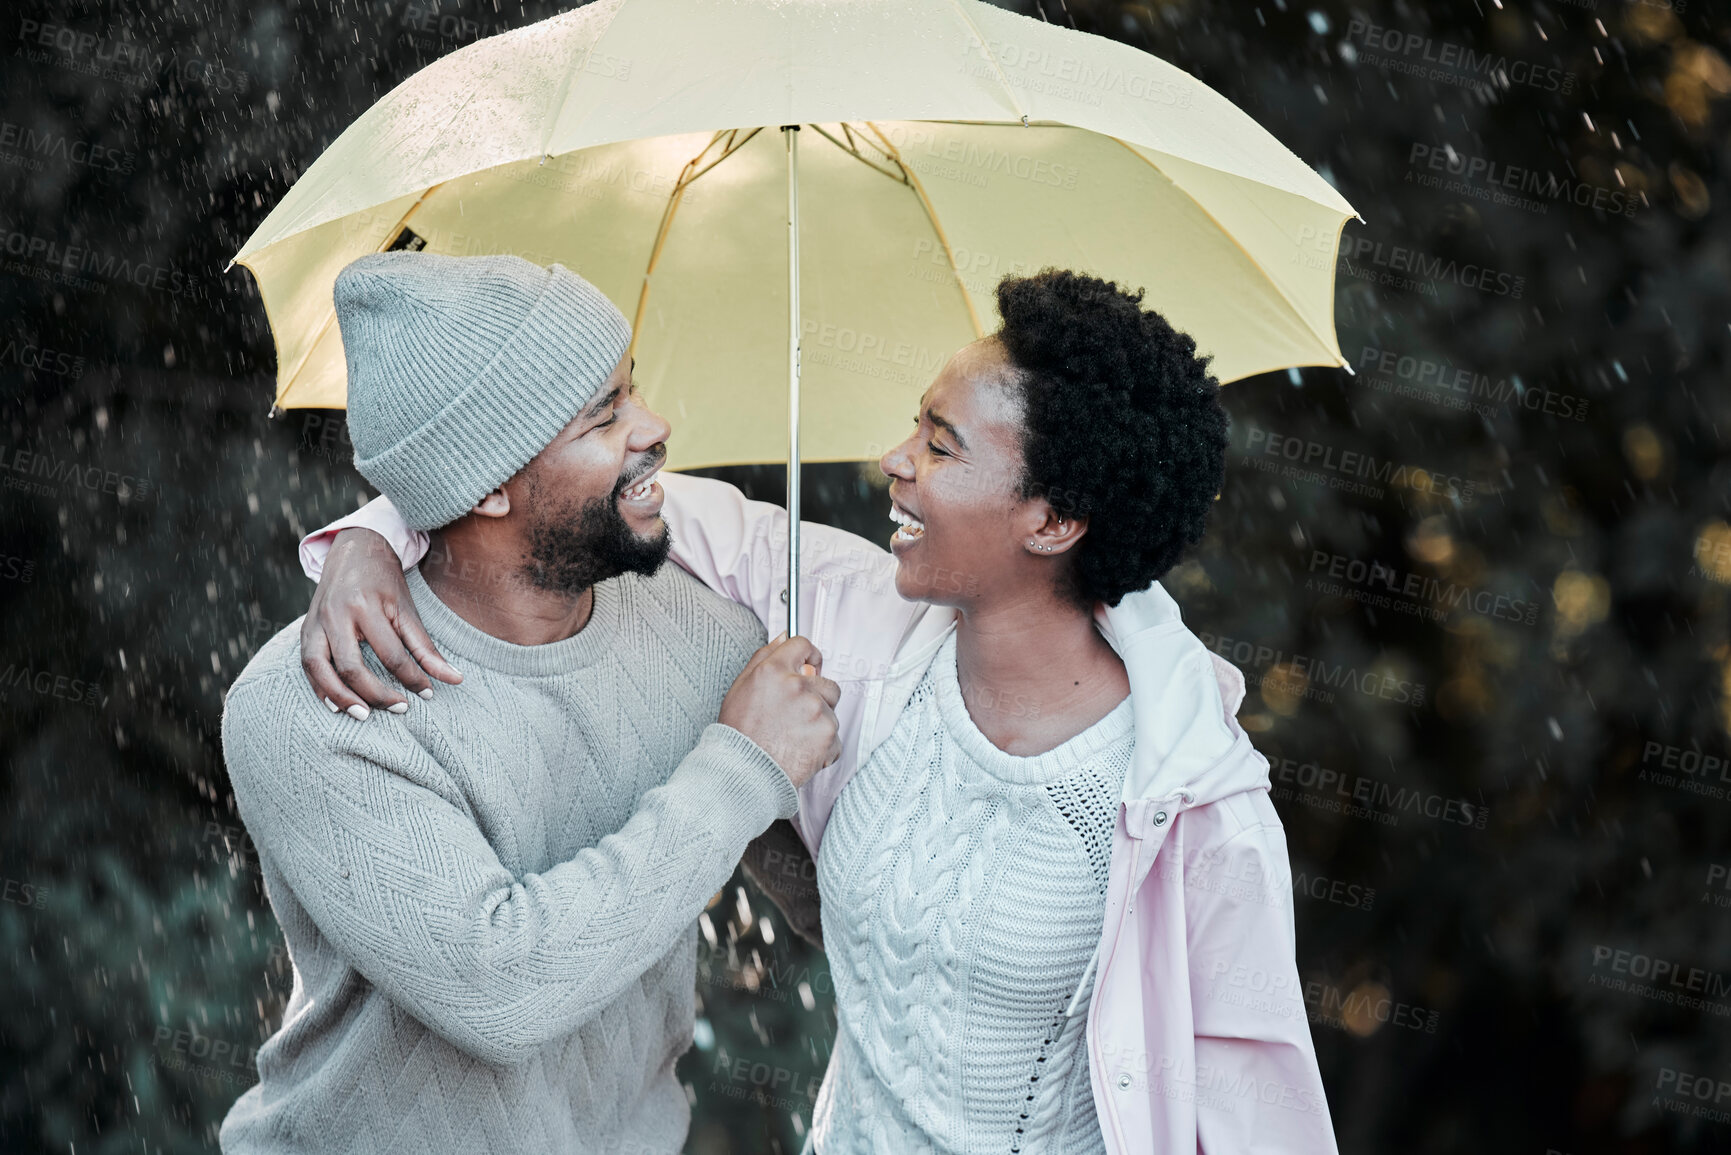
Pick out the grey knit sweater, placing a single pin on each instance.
(491, 900)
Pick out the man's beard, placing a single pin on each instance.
(570, 550)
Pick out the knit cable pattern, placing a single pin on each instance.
(490, 900)
(961, 904)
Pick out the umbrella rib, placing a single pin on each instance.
(571, 76)
(855, 153)
(732, 147)
(324, 328)
(395, 231)
(913, 182)
(677, 197)
(986, 51)
(1254, 263)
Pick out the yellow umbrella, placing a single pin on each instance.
(665, 149)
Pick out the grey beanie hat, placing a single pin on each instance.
(462, 369)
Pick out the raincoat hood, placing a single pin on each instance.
(1184, 698)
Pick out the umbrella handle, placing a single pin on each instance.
(790, 132)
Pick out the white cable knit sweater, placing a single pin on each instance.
(963, 890)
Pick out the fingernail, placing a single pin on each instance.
(358, 712)
(398, 707)
(427, 693)
(333, 706)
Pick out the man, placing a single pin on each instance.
(490, 896)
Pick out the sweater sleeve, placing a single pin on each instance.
(378, 515)
(382, 851)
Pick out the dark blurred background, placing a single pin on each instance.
(1479, 589)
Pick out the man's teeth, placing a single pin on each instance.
(911, 526)
(641, 489)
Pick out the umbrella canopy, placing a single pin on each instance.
(945, 145)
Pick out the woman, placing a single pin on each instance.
(1055, 894)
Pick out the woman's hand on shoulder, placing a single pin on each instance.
(362, 596)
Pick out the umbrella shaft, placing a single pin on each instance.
(791, 133)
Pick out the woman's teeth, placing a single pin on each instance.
(641, 490)
(911, 527)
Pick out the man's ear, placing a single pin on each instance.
(495, 504)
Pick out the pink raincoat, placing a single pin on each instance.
(1197, 1034)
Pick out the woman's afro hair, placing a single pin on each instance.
(1122, 424)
